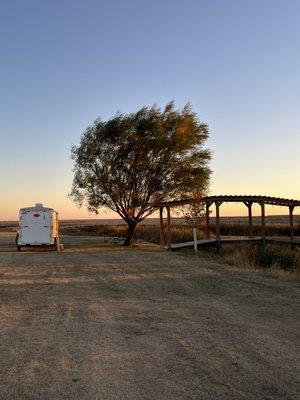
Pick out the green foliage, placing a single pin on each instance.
(131, 162)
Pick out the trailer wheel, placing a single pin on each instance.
(18, 248)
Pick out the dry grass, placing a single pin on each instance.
(179, 232)
(277, 260)
(98, 321)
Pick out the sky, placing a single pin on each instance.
(64, 63)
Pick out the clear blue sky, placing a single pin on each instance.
(64, 63)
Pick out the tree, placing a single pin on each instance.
(194, 213)
(132, 162)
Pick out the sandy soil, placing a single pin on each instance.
(101, 322)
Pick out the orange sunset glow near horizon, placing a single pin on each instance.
(68, 210)
(237, 169)
(233, 173)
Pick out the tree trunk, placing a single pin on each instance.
(130, 233)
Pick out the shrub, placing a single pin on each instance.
(263, 256)
(281, 256)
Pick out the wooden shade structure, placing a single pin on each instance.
(208, 201)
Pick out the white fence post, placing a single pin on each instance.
(195, 239)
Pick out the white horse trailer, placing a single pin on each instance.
(38, 226)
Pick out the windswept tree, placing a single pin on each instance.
(132, 162)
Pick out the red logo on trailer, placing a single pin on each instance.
(36, 215)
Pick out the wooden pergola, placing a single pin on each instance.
(217, 201)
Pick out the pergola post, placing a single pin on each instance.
(218, 232)
(263, 221)
(207, 227)
(161, 226)
(249, 205)
(168, 227)
(209, 201)
(292, 231)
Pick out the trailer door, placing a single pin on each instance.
(36, 227)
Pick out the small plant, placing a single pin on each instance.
(194, 213)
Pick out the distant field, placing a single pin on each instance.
(271, 219)
(149, 230)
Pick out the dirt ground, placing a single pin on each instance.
(97, 321)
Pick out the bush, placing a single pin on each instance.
(279, 256)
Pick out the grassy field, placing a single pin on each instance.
(179, 232)
(98, 321)
(270, 219)
(148, 230)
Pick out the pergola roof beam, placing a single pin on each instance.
(276, 201)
